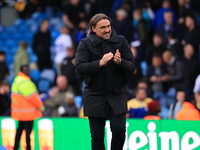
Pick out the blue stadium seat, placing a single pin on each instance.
(9, 59)
(143, 66)
(2, 29)
(11, 29)
(19, 22)
(23, 28)
(48, 74)
(4, 36)
(55, 34)
(11, 43)
(17, 37)
(30, 50)
(29, 22)
(13, 50)
(78, 100)
(33, 58)
(35, 75)
(43, 85)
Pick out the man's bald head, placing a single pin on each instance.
(167, 55)
(61, 82)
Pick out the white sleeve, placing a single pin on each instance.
(197, 85)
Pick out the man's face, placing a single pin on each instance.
(180, 96)
(189, 22)
(168, 18)
(141, 94)
(26, 71)
(45, 25)
(103, 29)
(156, 61)
(157, 40)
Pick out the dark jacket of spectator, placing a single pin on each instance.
(3, 71)
(71, 110)
(41, 47)
(176, 73)
(193, 38)
(191, 71)
(124, 28)
(73, 11)
(74, 79)
(164, 30)
(142, 32)
(176, 48)
(151, 50)
(4, 104)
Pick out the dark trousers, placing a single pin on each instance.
(44, 63)
(118, 129)
(27, 125)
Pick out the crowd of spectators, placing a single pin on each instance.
(164, 38)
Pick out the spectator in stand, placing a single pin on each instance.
(191, 69)
(196, 91)
(168, 26)
(4, 100)
(140, 38)
(188, 112)
(183, 11)
(192, 35)
(21, 57)
(50, 7)
(156, 47)
(63, 41)
(122, 25)
(177, 106)
(174, 78)
(25, 8)
(3, 68)
(54, 101)
(153, 111)
(91, 8)
(68, 107)
(41, 46)
(138, 105)
(67, 69)
(175, 69)
(159, 15)
(74, 12)
(82, 30)
(155, 73)
(144, 83)
(174, 45)
(133, 78)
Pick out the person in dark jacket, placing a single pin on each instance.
(192, 35)
(174, 45)
(140, 36)
(191, 69)
(3, 68)
(168, 26)
(154, 75)
(67, 69)
(155, 47)
(4, 100)
(104, 58)
(41, 45)
(121, 21)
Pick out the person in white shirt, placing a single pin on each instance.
(63, 41)
(196, 91)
